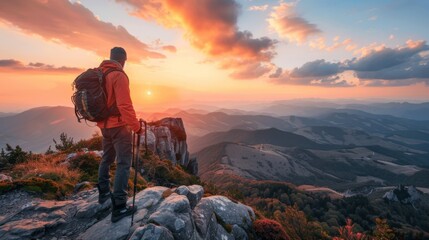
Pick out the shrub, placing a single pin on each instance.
(347, 233)
(266, 229)
(92, 144)
(46, 176)
(47, 188)
(47, 167)
(162, 172)
(13, 156)
(65, 144)
(87, 164)
(141, 183)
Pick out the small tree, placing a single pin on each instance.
(49, 151)
(65, 144)
(3, 160)
(382, 230)
(297, 226)
(347, 233)
(15, 155)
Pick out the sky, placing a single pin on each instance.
(220, 52)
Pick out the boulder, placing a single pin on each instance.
(152, 232)
(181, 214)
(229, 212)
(175, 214)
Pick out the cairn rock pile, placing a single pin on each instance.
(163, 213)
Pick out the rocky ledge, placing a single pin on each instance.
(163, 214)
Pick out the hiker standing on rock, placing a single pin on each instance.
(117, 137)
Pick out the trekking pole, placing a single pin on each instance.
(136, 165)
(146, 153)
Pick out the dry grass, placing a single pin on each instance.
(47, 167)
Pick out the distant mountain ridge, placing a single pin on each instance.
(34, 129)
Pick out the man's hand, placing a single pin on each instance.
(140, 131)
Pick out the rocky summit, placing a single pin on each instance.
(163, 214)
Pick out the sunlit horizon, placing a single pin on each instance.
(240, 52)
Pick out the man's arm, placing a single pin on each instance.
(123, 100)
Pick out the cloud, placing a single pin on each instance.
(15, 66)
(259, 8)
(211, 26)
(320, 43)
(277, 73)
(335, 80)
(74, 25)
(317, 68)
(382, 66)
(382, 58)
(290, 26)
(169, 48)
(251, 71)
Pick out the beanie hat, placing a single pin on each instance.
(118, 54)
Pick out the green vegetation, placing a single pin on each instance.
(12, 156)
(53, 175)
(283, 212)
(306, 215)
(266, 229)
(161, 172)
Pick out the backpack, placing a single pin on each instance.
(90, 98)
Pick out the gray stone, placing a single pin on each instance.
(221, 234)
(92, 208)
(24, 228)
(81, 185)
(148, 197)
(203, 215)
(195, 194)
(232, 213)
(239, 233)
(47, 206)
(192, 166)
(174, 213)
(152, 232)
(182, 190)
(57, 214)
(164, 145)
(105, 229)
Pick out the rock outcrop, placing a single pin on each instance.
(403, 194)
(167, 138)
(163, 213)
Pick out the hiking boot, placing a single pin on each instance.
(119, 213)
(103, 196)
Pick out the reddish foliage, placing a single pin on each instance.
(267, 229)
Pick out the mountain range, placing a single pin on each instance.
(337, 147)
(35, 129)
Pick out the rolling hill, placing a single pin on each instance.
(34, 129)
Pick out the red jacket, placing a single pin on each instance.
(118, 89)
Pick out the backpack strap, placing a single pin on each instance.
(105, 90)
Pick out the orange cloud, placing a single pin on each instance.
(288, 25)
(211, 26)
(320, 43)
(11, 65)
(74, 25)
(169, 48)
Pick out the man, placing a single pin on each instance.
(117, 137)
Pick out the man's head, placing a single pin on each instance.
(118, 54)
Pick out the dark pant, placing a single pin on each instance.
(116, 144)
